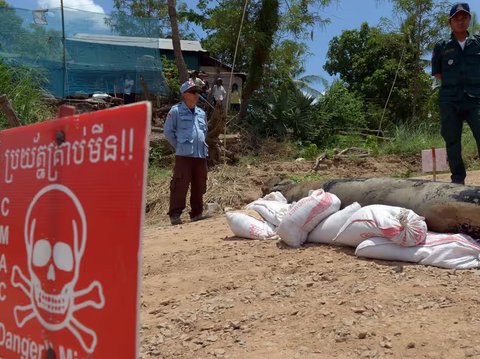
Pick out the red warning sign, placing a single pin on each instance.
(71, 216)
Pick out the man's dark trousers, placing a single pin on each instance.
(188, 170)
(453, 113)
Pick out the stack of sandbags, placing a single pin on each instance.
(458, 251)
(305, 215)
(260, 218)
(399, 225)
(272, 207)
(328, 228)
(249, 224)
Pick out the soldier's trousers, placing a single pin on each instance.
(188, 170)
(452, 114)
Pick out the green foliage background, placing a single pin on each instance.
(382, 99)
(23, 87)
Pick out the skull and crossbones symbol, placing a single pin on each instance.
(55, 237)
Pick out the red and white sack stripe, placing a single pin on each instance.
(399, 225)
(443, 250)
(305, 215)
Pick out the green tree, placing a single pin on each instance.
(265, 27)
(305, 84)
(422, 22)
(370, 61)
(146, 19)
(272, 42)
(31, 41)
(11, 30)
(343, 108)
(293, 114)
(288, 112)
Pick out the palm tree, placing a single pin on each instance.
(305, 83)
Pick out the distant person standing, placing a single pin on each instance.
(235, 99)
(456, 64)
(186, 130)
(206, 90)
(127, 90)
(197, 80)
(219, 92)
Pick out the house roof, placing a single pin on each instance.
(148, 42)
(208, 60)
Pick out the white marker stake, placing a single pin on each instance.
(434, 160)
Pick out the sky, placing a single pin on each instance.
(343, 15)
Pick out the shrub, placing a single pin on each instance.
(23, 87)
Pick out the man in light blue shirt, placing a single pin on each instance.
(186, 130)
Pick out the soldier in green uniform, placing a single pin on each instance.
(456, 64)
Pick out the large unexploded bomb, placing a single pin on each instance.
(447, 208)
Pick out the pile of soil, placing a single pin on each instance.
(208, 294)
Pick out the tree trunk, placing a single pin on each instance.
(266, 25)
(177, 49)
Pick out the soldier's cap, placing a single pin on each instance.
(459, 7)
(189, 86)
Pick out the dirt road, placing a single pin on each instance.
(207, 294)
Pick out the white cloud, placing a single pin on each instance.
(85, 5)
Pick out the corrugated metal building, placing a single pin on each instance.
(101, 63)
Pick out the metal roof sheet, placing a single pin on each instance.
(149, 42)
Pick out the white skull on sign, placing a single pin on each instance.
(55, 238)
(55, 229)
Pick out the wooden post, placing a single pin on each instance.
(145, 87)
(434, 164)
(9, 112)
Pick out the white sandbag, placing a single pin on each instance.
(399, 225)
(291, 233)
(327, 229)
(275, 196)
(272, 211)
(304, 216)
(249, 224)
(443, 250)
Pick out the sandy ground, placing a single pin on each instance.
(207, 294)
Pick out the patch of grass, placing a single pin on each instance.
(248, 160)
(469, 149)
(473, 166)
(158, 173)
(308, 177)
(273, 150)
(23, 87)
(354, 140)
(310, 152)
(410, 140)
(407, 174)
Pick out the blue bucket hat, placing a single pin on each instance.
(189, 86)
(459, 7)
